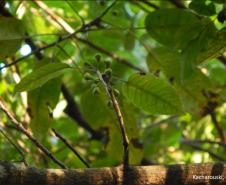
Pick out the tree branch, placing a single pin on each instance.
(163, 121)
(70, 147)
(217, 126)
(222, 144)
(192, 174)
(72, 109)
(197, 147)
(29, 136)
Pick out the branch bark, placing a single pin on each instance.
(191, 174)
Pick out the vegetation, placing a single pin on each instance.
(104, 83)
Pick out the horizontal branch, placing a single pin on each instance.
(138, 175)
(198, 147)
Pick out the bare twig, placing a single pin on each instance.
(209, 142)
(70, 147)
(72, 109)
(15, 146)
(30, 137)
(55, 17)
(113, 56)
(67, 28)
(38, 50)
(217, 126)
(118, 113)
(197, 147)
(76, 12)
(97, 20)
(161, 122)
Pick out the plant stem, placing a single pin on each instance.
(125, 140)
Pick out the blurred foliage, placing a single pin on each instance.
(168, 106)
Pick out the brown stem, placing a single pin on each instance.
(217, 126)
(125, 140)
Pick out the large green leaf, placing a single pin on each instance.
(40, 101)
(151, 94)
(41, 76)
(171, 27)
(11, 36)
(95, 110)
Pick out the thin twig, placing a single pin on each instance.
(84, 28)
(163, 121)
(209, 142)
(197, 147)
(217, 126)
(15, 146)
(118, 113)
(97, 20)
(70, 147)
(30, 137)
(38, 50)
(76, 12)
(113, 56)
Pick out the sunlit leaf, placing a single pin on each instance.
(151, 94)
(41, 76)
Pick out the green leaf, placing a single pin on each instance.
(95, 110)
(41, 76)
(201, 7)
(162, 58)
(151, 94)
(11, 36)
(215, 48)
(40, 101)
(129, 41)
(171, 27)
(191, 92)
